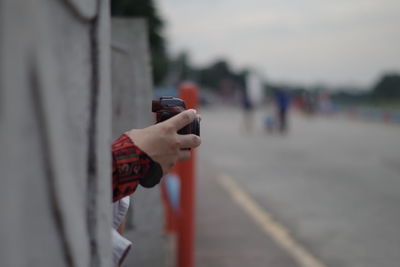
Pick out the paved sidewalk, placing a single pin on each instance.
(147, 235)
(226, 236)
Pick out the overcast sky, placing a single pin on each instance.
(334, 42)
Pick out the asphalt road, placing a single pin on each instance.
(334, 183)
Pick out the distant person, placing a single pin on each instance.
(310, 103)
(269, 123)
(325, 106)
(248, 111)
(282, 101)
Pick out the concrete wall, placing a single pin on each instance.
(55, 121)
(132, 87)
(132, 92)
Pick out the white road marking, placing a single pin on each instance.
(270, 227)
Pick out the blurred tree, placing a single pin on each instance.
(351, 96)
(147, 9)
(388, 87)
(179, 70)
(212, 75)
(182, 64)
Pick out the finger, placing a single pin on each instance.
(189, 141)
(182, 119)
(184, 155)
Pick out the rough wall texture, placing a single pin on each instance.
(55, 133)
(132, 91)
(132, 87)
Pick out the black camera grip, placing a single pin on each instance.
(153, 176)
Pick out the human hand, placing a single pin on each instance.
(162, 142)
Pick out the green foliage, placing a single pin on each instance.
(212, 75)
(351, 97)
(388, 87)
(182, 64)
(384, 94)
(147, 9)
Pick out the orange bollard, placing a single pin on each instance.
(188, 92)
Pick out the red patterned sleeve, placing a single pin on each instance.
(129, 165)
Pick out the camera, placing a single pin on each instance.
(167, 107)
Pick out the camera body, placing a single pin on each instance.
(167, 107)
